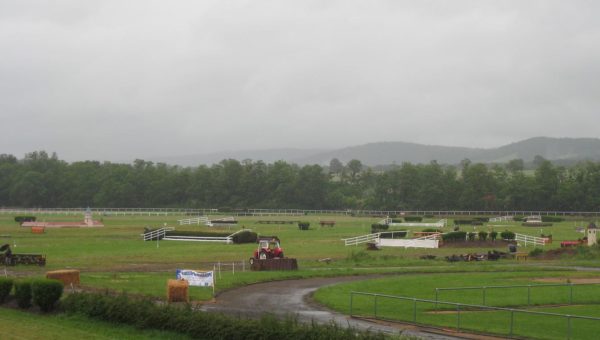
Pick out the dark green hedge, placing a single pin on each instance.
(145, 314)
(303, 225)
(245, 237)
(375, 228)
(21, 219)
(413, 218)
(23, 293)
(394, 234)
(46, 293)
(397, 220)
(455, 236)
(6, 285)
(507, 235)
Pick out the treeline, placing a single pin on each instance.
(42, 180)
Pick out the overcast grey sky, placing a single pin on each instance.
(118, 80)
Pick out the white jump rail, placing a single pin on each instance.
(502, 219)
(195, 220)
(158, 233)
(439, 224)
(353, 241)
(526, 239)
(225, 239)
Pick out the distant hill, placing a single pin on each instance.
(564, 150)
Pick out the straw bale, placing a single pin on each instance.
(66, 276)
(38, 230)
(177, 291)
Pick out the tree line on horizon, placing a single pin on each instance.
(42, 180)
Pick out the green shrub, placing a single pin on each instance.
(455, 236)
(552, 219)
(23, 293)
(145, 314)
(471, 236)
(375, 228)
(507, 235)
(482, 219)
(536, 224)
(21, 219)
(430, 230)
(493, 235)
(413, 218)
(460, 221)
(6, 285)
(303, 225)
(245, 236)
(46, 293)
(483, 235)
(536, 252)
(397, 220)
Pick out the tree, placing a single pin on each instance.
(335, 166)
(515, 165)
(354, 167)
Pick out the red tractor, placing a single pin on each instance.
(268, 248)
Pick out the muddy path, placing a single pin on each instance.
(294, 297)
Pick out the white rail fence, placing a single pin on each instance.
(158, 233)
(353, 241)
(502, 219)
(196, 220)
(531, 240)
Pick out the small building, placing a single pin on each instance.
(592, 234)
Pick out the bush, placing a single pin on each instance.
(21, 219)
(430, 230)
(246, 236)
(536, 224)
(397, 220)
(6, 285)
(483, 235)
(482, 219)
(413, 218)
(23, 293)
(375, 228)
(552, 219)
(493, 235)
(471, 236)
(46, 293)
(145, 314)
(507, 235)
(303, 225)
(536, 252)
(459, 221)
(455, 236)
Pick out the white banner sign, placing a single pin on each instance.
(194, 278)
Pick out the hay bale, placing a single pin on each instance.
(38, 230)
(177, 291)
(66, 276)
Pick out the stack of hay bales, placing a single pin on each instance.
(177, 291)
(66, 276)
(38, 230)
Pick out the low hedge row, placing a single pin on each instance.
(375, 228)
(145, 314)
(21, 219)
(457, 236)
(413, 218)
(303, 225)
(44, 293)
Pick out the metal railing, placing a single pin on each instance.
(195, 220)
(465, 307)
(484, 289)
(296, 212)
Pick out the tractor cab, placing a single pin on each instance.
(268, 248)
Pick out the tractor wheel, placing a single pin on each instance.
(251, 260)
(262, 255)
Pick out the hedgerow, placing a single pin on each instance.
(145, 314)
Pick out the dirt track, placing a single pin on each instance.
(293, 297)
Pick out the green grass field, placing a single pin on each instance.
(115, 257)
(586, 302)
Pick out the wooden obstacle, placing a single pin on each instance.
(38, 230)
(177, 291)
(66, 276)
(327, 223)
(521, 256)
(274, 264)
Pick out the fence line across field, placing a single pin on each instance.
(484, 289)
(293, 212)
(458, 307)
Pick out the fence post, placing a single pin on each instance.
(458, 318)
(436, 298)
(571, 293)
(512, 320)
(568, 327)
(415, 310)
(528, 295)
(484, 296)
(375, 307)
(351, 295)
